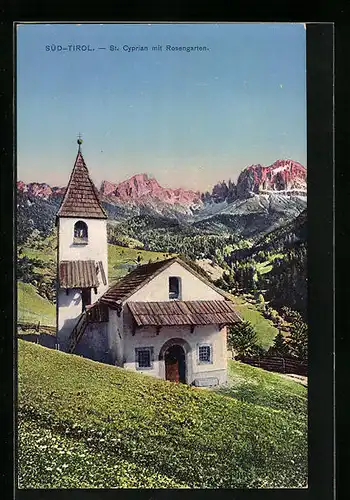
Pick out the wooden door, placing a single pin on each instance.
(175, 364)
(172, 370)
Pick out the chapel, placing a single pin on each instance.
(163, 318)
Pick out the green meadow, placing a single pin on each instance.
(33, 308)
(265, 329)
(83, 424)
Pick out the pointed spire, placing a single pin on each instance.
(81, 196)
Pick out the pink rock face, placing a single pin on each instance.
(21, 186)
(41, 190)
(107, 188)
(142, 188)
(283, 175)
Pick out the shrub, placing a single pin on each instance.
(256, 351)
(261, 300)
(272, 314)
(242, 338)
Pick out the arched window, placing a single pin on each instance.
(174, 287)
(80, 233)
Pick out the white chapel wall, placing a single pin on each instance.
(96, 249)
(70, 308)
(148, 337)
(192, 288)
(116, 336)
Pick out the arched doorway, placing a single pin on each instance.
(175, 364)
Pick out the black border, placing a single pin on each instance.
(320, 208)
(342, 229)
(320, 153)
(8, 295)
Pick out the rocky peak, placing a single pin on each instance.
(224, 192)
(107, 188)
(282, 175)
(141, 187)
(40, 190)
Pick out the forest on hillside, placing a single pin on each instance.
(273, 264)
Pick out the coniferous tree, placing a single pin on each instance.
(280, 347)
(242, 338)
(298, 338)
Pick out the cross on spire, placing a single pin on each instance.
(79, 141)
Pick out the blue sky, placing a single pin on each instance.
(190, 119)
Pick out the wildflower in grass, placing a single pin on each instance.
(202, 455)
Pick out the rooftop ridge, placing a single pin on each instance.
(141, 275)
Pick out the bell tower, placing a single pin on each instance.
(82, 250)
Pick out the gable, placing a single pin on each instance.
(132, 282)
(192, 287)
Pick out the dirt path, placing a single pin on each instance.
(296, 378)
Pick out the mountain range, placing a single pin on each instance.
(263, 198)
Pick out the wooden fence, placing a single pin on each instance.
(37, 327)
(277, 364)
(38, 334)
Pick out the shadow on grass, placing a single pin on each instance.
(270, 397)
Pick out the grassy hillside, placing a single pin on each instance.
(41, 248)
(32, 308)
(265, 329)
(263, 388)
(267, 265)
(121, 259)
(87, 425)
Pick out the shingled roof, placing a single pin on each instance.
(194, 312)
(78, 274)
(140, 276)
(81, 198)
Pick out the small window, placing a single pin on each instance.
(205, 353)
(144, 358)
(174, 287)
(80, 233)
